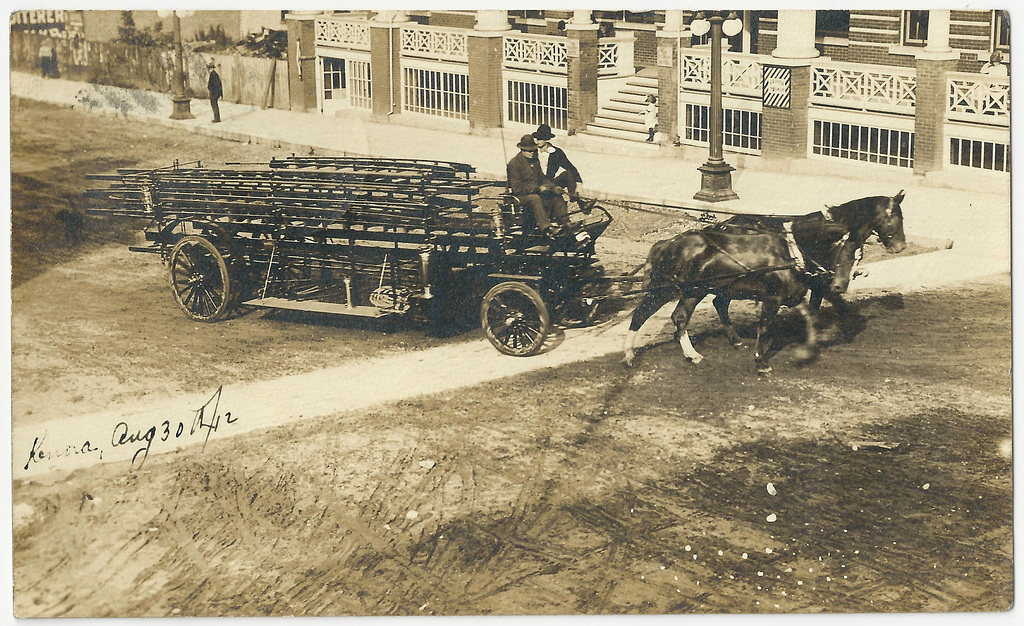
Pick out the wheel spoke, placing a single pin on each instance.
(192, 295)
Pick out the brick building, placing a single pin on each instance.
(885, 88)
(103, 25)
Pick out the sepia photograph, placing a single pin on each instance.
(497, 312)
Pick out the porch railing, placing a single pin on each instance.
(615, 56)
(542, 53)
(434, 42)
(886, 89)
(978, 99)
(741, 73)
(354, 35)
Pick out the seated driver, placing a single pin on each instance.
(536, 191)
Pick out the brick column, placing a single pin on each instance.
(581, 42)
(787, 88)
(784, 131)
(671, 39)
(385, 63)
(930, 94)
(486, 58)
(302, 92)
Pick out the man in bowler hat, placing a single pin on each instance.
(557, 167)
(536, 191)
(216, 90)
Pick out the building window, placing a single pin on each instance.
(535, 104)
(1001, 33)
(436, 93)
(985, 155)
(741, 130)
(527, 15)
(334, 78)
(868, 144)
(832, 24)
(915, 28)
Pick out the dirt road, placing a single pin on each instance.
(582, 487)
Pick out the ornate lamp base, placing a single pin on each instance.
(182, 109)
(716, 183)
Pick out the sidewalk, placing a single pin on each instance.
(977, 220)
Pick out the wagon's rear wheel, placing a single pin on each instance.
(200, 279)
(515, 318)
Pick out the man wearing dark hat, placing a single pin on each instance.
(216, 90)
(556, 166)
(536, 191)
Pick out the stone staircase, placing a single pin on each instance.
(621, 117)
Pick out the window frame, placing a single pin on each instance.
(997, 31)
(906, 23)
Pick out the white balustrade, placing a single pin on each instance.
(343, 34)
(615, 56)
(535, 52)
(978, 99)
(866, 88)
(433, 42)
(741, 73)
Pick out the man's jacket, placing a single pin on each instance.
(524, 176)
(557, 160)
(216, 91)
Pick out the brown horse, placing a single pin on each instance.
(734, 265)
(881, 215)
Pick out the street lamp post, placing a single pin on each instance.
(716, 174)
(182, 107)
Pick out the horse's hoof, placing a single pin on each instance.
(628, 361)
(697, 359)
(828, 335)
(764, 371)
(803, 354)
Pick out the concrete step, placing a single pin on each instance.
(639, 90)
(636, 125)
(621, 115)
(616, 133)
(623, 107)
(628, 98)
(643, 81)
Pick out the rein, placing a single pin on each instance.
(736, 275)
(720, 249)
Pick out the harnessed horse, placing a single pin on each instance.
(735, 265)
(881, 215)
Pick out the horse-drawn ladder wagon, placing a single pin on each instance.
(358, 237)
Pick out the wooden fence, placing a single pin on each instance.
(246, 80)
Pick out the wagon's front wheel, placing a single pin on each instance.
(199, 279)
(515, 318)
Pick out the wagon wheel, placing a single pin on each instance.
(515, 319)
(199, 279)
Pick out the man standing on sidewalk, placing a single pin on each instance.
(46, 59)
(216, 90)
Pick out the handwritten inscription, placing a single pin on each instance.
(39, 453)
(139, 440)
